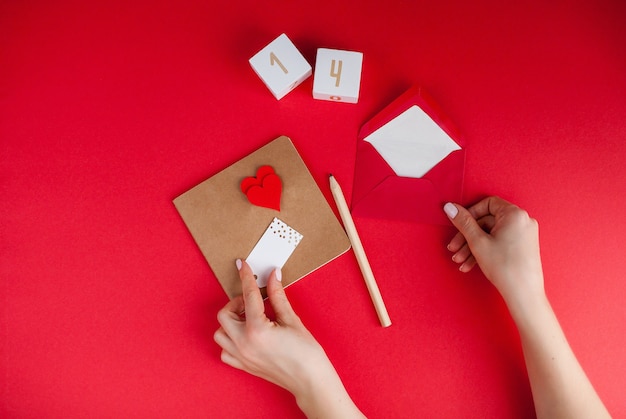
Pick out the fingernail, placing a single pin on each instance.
(451, 210)
(239, 264)
(279, 275)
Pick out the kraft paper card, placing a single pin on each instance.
(267, 202)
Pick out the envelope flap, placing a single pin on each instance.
(406, 198)
(410, 199)
(416, 95)
(448, 176)
(369, 171)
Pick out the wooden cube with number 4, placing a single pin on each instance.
(337, 75)
(281, 66)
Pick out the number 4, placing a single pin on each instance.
(336, 73)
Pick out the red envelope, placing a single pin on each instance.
(378, 192)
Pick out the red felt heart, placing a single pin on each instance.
(264, 189)
(260, 174)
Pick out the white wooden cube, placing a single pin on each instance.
(337, 75)
(281, 66)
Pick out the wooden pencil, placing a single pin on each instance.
(359, 252)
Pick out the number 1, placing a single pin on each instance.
(274, 59)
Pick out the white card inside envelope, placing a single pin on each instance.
(412, 143)
(272, 250)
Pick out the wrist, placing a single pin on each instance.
(522, 293)
(322, 394)
(525, 308)
(314, 384)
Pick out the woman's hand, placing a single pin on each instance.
(504, 240)
(281, 351)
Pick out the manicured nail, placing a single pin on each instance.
(239, 264)
(451, 210)
(279, 275)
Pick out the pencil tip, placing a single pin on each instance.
(330, 175)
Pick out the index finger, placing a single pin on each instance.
(488, 206)
(252, 298)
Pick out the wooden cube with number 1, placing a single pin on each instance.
(281, 66)
(337, 75)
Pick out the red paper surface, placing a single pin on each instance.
(109, 110)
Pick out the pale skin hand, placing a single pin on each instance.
(504, 241)
(281, 351)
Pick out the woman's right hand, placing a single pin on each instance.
(504, 240)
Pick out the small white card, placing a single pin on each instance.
(272, 250)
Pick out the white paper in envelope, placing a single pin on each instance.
(412, 143)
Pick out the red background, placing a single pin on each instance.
(108, 110)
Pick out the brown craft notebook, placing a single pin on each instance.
(226, 225)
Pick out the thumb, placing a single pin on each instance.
(464, 222)
(278, 299)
